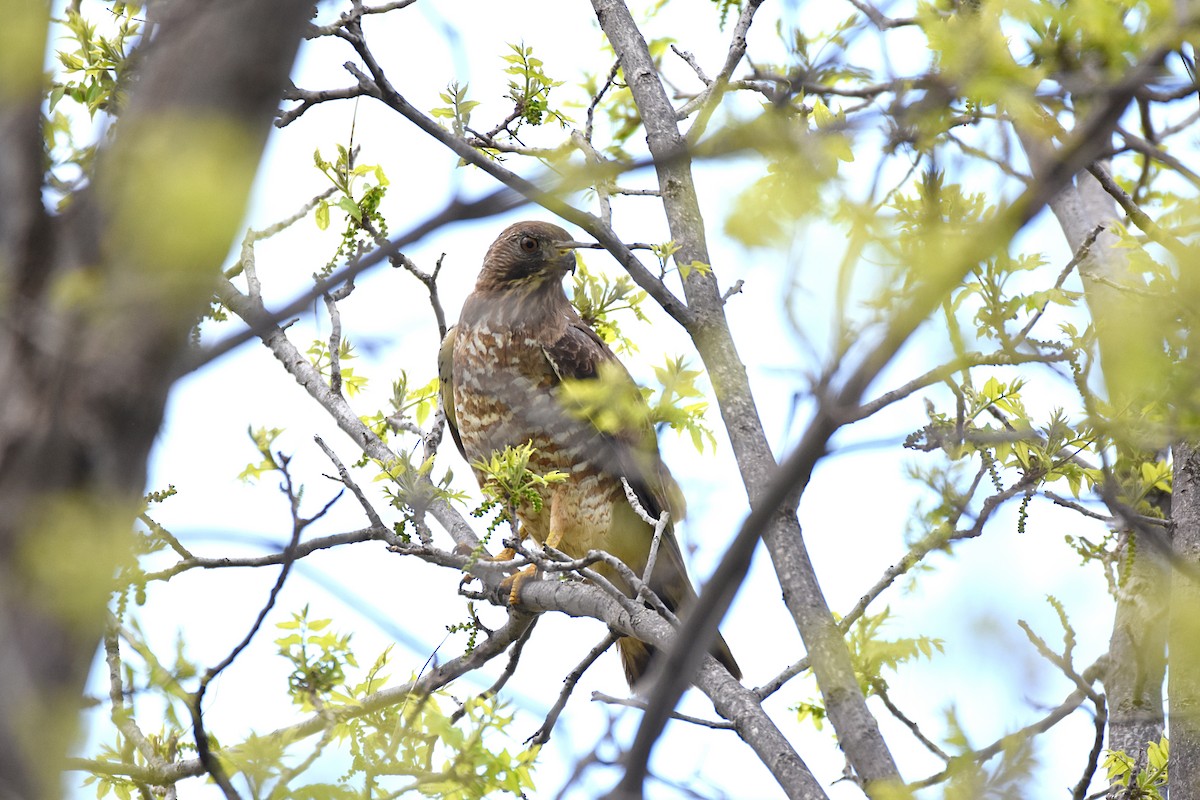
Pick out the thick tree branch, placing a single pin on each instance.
(856, 728)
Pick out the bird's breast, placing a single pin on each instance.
(504, 397)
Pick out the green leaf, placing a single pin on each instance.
(350, 207)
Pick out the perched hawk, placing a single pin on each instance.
(517, 339)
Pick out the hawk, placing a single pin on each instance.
(517, 340)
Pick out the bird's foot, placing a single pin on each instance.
(507, 554)
(513, 583)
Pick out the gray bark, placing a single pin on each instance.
(1128, 344)
(1184, 634)
(91, 328)
(857, 730)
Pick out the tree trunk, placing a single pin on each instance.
(1130, 349)
(1184, 636)
(95, 309)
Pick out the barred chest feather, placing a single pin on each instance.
(504, 396)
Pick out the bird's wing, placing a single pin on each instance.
(446, 385)
(579, 354)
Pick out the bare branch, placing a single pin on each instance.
(429, 280)
(120, 714)
(690, 60)
(455, 210)
(1139, 217)
(356, 13)
(302, 550)
(203, 751)
(348, 482)
(634, 702)
(1080, 255)
(300, 368)
(1085, 780)
(432, 680)
(1156, 153)
(514, 657)
(942, 373)
(382, 89)
(335, 341)
(1055, 716)
(929, 744)
(708, 101)
(542, 734)
(878, 18)
(308, 99)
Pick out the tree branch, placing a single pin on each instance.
(856, 728)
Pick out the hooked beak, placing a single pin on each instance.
(566, 248)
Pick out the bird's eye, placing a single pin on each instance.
(529, 244)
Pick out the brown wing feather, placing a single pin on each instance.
(446, 386)
(578, 354)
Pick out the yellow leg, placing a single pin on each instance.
(513, 583)
(558, 509)
(553, 538)
(507, 554)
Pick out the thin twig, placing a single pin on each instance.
(302, 550)
(1055, 716)
(430, 681)
(930, 745)
(288, 773)
(203, 752)
(429, 280)
(455, 210)
(121, 715)
(335, 342)
(878, 18)
(1156, 153)
(1139, 217)
(357, 12)
(597, 97)
(510, 668)
(770, 687)
(1093, 762)
(660, 527)
(349, 483)
(634, 702)
(1081, 253)
(939, 374)
(542, 734)
(706, 103)
(164, 534)
(307, 99)
(384, 91)
(690, 60)
(1059, 500)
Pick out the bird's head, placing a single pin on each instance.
(527, 256)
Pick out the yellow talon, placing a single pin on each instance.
(513, 583)
(507, 554)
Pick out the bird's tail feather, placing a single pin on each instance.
(636, 657)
